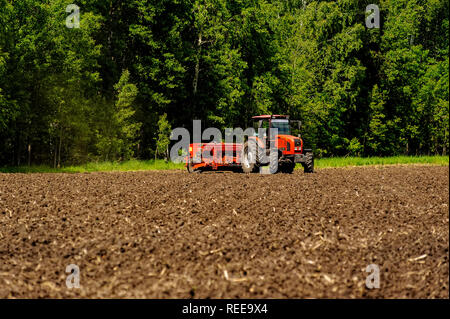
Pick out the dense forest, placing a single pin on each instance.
(113, 88)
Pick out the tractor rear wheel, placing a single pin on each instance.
(249, 160)
(274, 165)
(308, 166)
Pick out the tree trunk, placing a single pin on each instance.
(197, 65)
(59, 149)
(55, 157)
(29, 154)
(166, 157)
(17, 147)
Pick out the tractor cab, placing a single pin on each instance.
(282, 123)
(266, 122)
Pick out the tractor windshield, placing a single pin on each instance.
(282, 125)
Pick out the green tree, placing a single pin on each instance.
(163, 140)
(65, 97)
(118, 131)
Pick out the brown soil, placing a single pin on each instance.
(226, 235)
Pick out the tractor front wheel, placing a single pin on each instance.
(308, 166)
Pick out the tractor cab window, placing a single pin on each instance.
(255, 127)
(263, 124)
(282, 125)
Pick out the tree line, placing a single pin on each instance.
(112, 88)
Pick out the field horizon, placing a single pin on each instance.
(160, 165)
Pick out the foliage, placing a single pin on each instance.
(111, 89)
(117, 136)
(164, 130)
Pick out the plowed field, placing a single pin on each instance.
(226, 235)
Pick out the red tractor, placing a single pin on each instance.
(281, 151)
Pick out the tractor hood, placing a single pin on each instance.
(290, 142)
(288, 138)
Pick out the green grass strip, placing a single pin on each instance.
(394, 160)
(136, 165)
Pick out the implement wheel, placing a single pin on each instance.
(190, 167)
